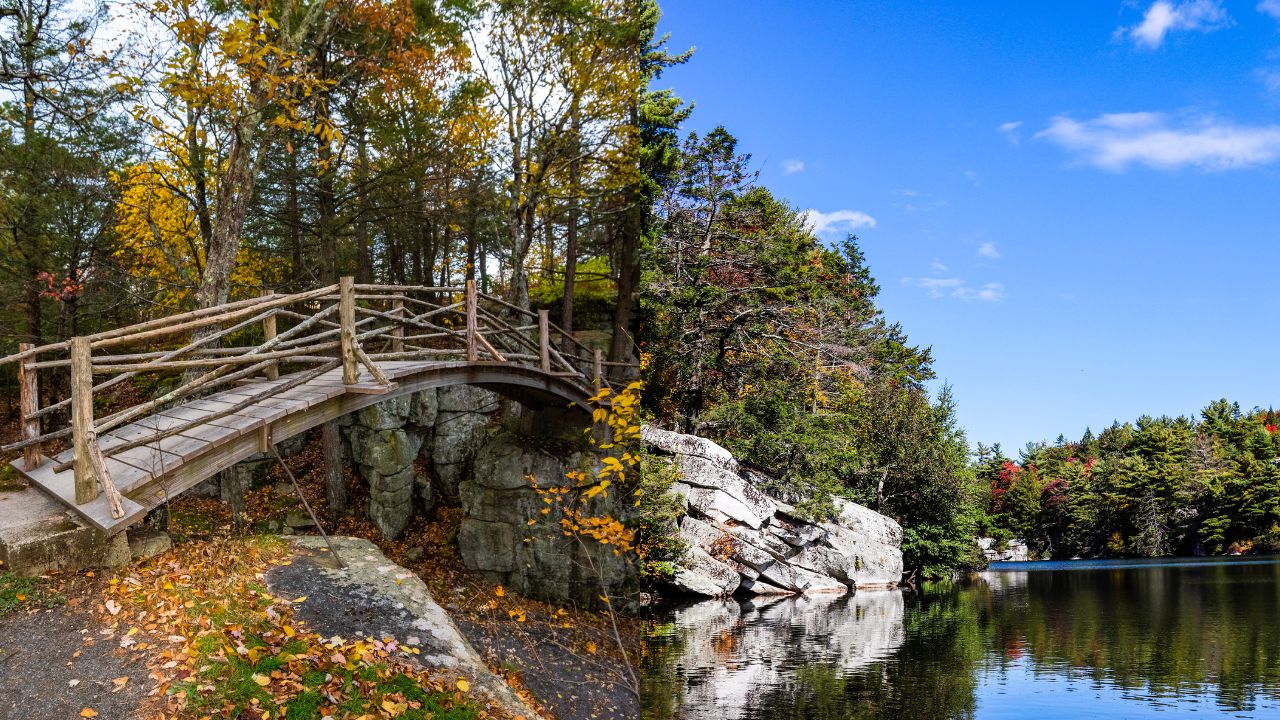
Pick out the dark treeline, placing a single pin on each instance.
(1157, 486)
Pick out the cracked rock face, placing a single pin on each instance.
(468, 453)
(742, 540)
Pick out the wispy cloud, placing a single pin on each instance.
(1010, 129)
(937, 267)
(791, 166)
(991, 292)
(1116, 141)
(954, 287)
(988, 250)
(1166, 16)
(1270, 77)
(1270, 7)
(837, 221)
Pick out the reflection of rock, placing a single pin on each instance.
(1014, 550)
(734, 529)
(1000, 581)
(732, 650)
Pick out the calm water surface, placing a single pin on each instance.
(1116, 639)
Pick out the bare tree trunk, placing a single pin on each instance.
(335, 486)
(571, 245)
(235, 193)
(364, 258)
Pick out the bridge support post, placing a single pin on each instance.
(82, 419)
(397, 332)
(268, 334)
(28, 403)
(597, 370)
(347, 322)
(544, 341)
(472, 351)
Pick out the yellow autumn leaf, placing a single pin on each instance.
(463, 685)
(88, 713)
(499, 591)
(262, 680)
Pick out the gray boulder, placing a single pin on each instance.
(732, 526)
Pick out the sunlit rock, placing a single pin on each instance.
(731, 525)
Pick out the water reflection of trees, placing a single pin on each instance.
(1157, 633)
(1166, 631)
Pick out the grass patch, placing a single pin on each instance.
(17, 592)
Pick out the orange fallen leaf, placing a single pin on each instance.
(88, 712)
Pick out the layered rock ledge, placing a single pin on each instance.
(741, 540)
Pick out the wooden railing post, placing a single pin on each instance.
(472, 351)
(397, 332)
(268, 334)
(82, 419)
(347, 322)
(544, 341)
(28, 404)
(597, 370)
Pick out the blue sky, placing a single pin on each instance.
(1076, 204)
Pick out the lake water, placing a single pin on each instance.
(1116, 639)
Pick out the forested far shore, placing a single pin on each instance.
(1156, 486)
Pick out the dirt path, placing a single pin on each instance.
(54, 664)
(574, 685)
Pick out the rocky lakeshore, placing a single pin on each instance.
(742, 541)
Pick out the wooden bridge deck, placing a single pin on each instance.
(149, 474)
(257, 371)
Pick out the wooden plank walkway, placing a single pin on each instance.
(149, 474)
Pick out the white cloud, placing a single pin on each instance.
(1116, 141)
(1166, 16)
(957, 288)
(988, 250)
(1270, 7)
(1010, 129)
(1270, 77)
(792, 166)
(837, 221)
(936, 287)
(938, 267)
(991, 292)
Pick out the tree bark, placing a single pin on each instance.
(335, 486)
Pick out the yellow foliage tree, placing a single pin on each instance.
(159, 241)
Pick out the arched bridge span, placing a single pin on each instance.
(240, 377)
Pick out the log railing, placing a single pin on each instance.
(294, 338)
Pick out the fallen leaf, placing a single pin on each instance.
(88, 712)
(463, 685)
(262, 680)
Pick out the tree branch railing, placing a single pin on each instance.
(293, 338)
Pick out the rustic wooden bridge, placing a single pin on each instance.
(248, 374)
